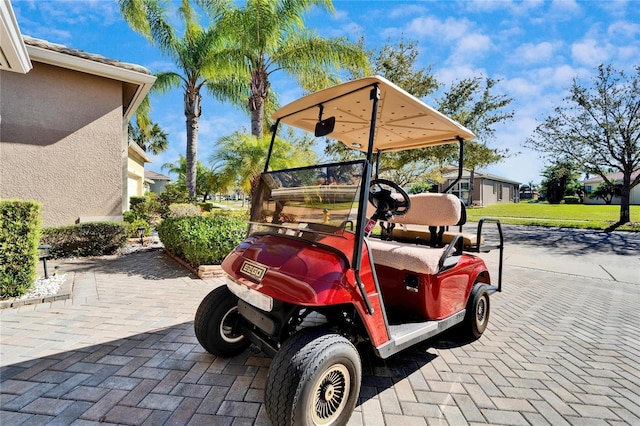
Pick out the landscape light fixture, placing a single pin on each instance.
(141, 234)
(44, 252)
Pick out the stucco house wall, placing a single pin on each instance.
(135, 172)
(61, 142)
(157, 182)
(487, 188)
(590, 185)
(495, 192)
(63, 138)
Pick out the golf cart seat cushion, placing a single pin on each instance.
(408, 234)
(431, 210)
(407, 257)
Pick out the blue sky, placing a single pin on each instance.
(536, 48)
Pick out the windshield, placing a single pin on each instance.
(321, 199)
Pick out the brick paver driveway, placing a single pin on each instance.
(560, 349)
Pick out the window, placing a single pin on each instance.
(461, 190)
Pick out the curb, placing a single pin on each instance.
(203, 271)
(65, 292)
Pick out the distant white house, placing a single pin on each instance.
(156, 181)
(487, 188)
(591, 184)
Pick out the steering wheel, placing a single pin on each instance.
(388, 198)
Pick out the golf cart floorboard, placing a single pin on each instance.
(407, 334)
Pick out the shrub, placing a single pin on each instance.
(572, 199)
(135, 202)
(19, 238)
(207, 206)
(173, 193)
(86, 239)
(184, 210)
(202, 240)
(138, 223)
(134, 220)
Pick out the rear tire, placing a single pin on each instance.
(217, 324)
(314, 379)
(478, 309)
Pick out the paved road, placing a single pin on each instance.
(561, 348)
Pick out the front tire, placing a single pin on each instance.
(314, 379)
(217, 324)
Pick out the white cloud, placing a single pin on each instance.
(617, 8)
(540, 53)
(430, 26)
(624, 29)
(471, 46)
(590, 52)
(514, 7)
(450, 74)
(565, 7)
(404, 10)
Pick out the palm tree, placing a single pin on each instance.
(148, 135)
(196, 55)
(269, 35)
(242, 155)
(207, 182)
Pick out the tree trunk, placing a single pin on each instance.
(625, 214)
(192, 113)
(472, 173)
(259, 88)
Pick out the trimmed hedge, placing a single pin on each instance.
(202, 240)
(86, 239)
(19, 239)
(572, 199)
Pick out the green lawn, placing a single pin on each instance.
(563, 215)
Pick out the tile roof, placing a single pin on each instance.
(59, 48)
(149, 174)
(611, 176)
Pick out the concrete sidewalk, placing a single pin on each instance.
(561, 348)
(592, 254)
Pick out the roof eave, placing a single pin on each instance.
(13, 48)
(140, 152)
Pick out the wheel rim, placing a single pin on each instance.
(227, 326)
(481, 312)
(331, 394)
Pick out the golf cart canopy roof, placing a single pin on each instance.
(402, 122)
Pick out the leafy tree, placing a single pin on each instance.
(606, 191)
(471, 103)
(598, 128)
(207, 181)
(396, 62)
(419, 188)
(196, 54)
(242, 156)
(151, 138)
(560, 180)
(269, 36)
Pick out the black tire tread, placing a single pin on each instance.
(215, 303)
(290, 366)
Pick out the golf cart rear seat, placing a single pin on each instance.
(421, 250)
(438, 212)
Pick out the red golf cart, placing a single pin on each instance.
(337, 258)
